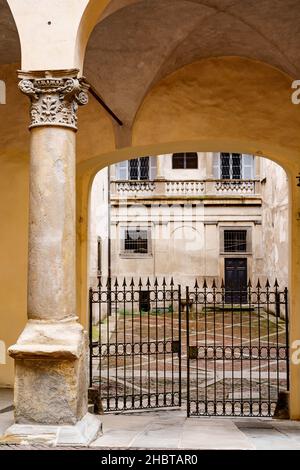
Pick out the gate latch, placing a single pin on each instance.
(193, 352)
(175, 347)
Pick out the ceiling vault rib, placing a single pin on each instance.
(98, 98)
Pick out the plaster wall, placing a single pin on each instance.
(275, 219)
(13, 216)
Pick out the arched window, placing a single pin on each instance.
(188, 161)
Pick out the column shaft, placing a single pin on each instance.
(51, 271)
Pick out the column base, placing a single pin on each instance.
(51, 382)
(82, 433)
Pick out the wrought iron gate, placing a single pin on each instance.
(238, 359)
(135, 345)
(218, 350)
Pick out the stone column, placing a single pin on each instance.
(51, 353)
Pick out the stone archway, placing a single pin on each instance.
(215, 103)
(195, 109)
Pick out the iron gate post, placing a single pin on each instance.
(91, 336)
(187, 352)
(179, 340)
(287, 338)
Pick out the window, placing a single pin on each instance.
(142, 168)
(233, 166)
(235, 241)
(139, 168)
(187, 161)
(136, 240)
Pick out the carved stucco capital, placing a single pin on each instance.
(55, 97)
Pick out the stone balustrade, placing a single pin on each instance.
(184, 188)
(172, 188)
(130, 188)
(235, 187)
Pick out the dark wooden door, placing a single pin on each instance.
(235, 280)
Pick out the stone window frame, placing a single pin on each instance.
(249, 248)
(126, 254)
(248, 166)
(183, 155)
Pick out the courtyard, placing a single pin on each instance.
(237, 362)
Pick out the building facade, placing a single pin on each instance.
(188, 216)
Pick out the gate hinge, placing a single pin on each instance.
(95, 399)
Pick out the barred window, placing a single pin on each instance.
(139, 168)
(235, 241)
(136, 241)
(231, 166)
(186, 161)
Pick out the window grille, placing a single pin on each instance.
(186, 161)
(136, 241)
(231, 166)
(235, 241)
(142, 168)
(139, 168)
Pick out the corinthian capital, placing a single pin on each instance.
(55, 96)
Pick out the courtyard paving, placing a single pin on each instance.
(228, 368)
(170, 429)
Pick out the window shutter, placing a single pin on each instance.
(247, 167)
(152, 168)
(122, 170)
(216, 165)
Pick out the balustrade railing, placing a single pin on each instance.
(173, 188)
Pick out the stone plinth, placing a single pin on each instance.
(51, 373)
(51, 385)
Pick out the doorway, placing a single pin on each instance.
(235, 280)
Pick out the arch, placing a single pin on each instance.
(49, 24)
(198, 108)
(180, 227)
(89, 19)
(172, 35)
(87, 170)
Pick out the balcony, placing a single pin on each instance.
(184, 189)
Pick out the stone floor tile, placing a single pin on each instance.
(120, 430)
(213, 434)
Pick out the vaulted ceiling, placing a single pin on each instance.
(137, 42)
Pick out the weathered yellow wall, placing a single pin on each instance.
(222, 104)
(95, 132)
(13, 215)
